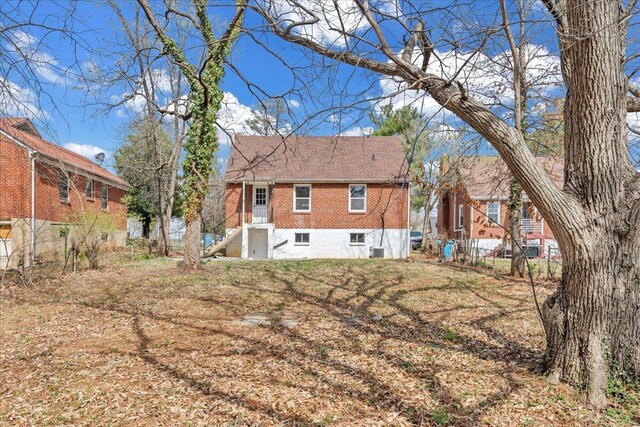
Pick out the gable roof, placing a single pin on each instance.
(24, 132)
(297, 158)
(489, 177)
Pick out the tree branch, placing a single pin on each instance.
(509, 143)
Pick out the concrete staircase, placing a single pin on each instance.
(232, 235)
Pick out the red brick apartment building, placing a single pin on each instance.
(317, 197)
(43, 187)
(475, 205)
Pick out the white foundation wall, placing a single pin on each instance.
(335, 243)
(491, 244)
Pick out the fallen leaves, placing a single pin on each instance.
(368, 343)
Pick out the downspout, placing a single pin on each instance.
(408, 246)
(32, 157)
(243, 193)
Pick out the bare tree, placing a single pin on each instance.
(155, 88)
(591, 321)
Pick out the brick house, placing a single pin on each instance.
(317, 197)
(474, 205)
(42, 188)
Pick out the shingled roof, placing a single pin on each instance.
(23, 130)
(296, 158)
(489, 177)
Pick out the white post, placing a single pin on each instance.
(243, 196)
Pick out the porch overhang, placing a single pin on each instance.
(256, 181)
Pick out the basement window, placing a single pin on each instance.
(356, 239)
(302, 239)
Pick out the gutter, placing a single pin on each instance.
(317, 181)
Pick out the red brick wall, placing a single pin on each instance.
(492, 231)
(15, 190)
(482, 229)
(15, 176)
(329, 207)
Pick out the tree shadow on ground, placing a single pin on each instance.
(354, 295)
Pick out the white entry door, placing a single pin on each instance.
(258, 241)
(260, 204)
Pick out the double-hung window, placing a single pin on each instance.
(63, 187)
(104, 196)
(460, 216)
(302, 198)
(357, 198)
(493, 212)
(88, 191)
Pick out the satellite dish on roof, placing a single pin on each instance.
(99, 158)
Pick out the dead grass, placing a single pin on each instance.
(376, 343)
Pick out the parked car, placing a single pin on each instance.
(416, 239)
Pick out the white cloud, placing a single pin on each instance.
(232, 117)
(129, 104)
(43, 64)
(135, 102)
(331, 21)
(357, 131)
(86, 150)
(294, 104)
(488, 79)
(333, 118)
(19, 101)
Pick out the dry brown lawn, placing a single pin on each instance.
(345, 343)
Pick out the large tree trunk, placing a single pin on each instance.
(192, 242)
(426, 221)
(166, 212)
(515, 228)
(592, 321)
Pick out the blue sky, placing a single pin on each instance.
(74, 116)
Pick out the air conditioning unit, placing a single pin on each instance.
(376, 252)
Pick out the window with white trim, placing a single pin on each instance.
(460, 216)
(104, 196)
(302, 198)
(302, 239)
(357, 198)
(63, 187)
(356, 239)
(493, 212)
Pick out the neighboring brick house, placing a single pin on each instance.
(317, 197)
(474, 205)
(43, 187)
